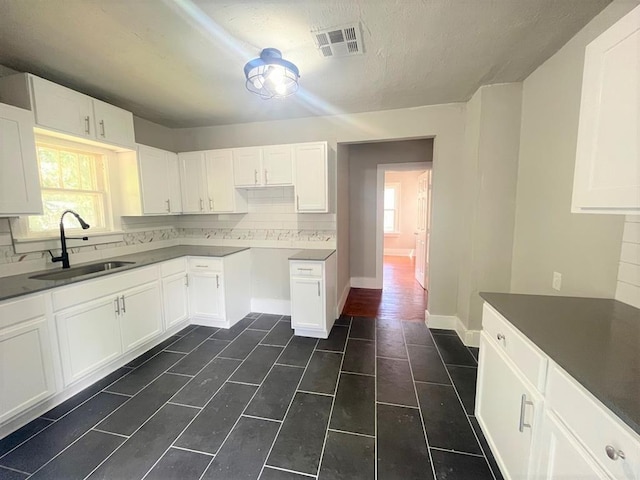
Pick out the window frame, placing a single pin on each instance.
(396, 186)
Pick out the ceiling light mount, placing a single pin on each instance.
(271, 76)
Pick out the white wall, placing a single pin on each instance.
(342, 225)
(405, 241)
(628, 286)
(443, 122)
(584, 248)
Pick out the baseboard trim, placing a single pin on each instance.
(342, 300)
(271, 305)
(398, 252)
(471, 338)
(366, 282)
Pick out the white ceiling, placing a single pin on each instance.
(179, 62)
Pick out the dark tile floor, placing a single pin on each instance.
(377, 399)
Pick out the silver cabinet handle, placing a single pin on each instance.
(300, 269)
(500, 337)
(210, 204)
(186, 280)
(87, 126)
(124, 307)
(613, 453)
(266, 181)
(202, 266)
(168, 202)
(217, 281)
(103, 134)
(318, 287)
(523, 405)
(297, 202)
(117, 306)
(255, 176)
(201, 205)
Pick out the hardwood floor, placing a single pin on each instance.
(401, 296)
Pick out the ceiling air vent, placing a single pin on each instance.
(341, 41)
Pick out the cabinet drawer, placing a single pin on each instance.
(197, 264)
(594, 425)
(530, 361)
(306, 269)
(16, 311)
(173, 267)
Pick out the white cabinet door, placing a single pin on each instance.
(192, 181)
(221, 192)
(307, 303)
(19, 178)
(507, 409)
(310, 168)
(561, 456)
(277, 165)
(60, 108)
(140, 315)
(113, 124)
(26, 369)
(607, 173)
(175, 193)
(154, 180)
(89, 337)
(206, 297)
(247, 167)
(175, 295)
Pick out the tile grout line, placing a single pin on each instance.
(455, 389)
(449, 450)
(109, 433)
(191, 450)
(333, 402)
(290, 471)
(397, 405)
(286, 412)
(351, 433)
(261, 418)
(415, 391)
(2, 467)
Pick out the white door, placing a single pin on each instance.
(310, 168)
(89, 337)
(506, 409)
(206, 297)
(219, 166)
(60, 108)
(113, 124)
(175, 295)
(175, 192)
(247, 167)
(562, 457)
(19, 178)
(154, 180)
(607, 170)
(278, 165)
(307, 302)
(191, 181)
(26, 369)
(140, 315)
(423, 229)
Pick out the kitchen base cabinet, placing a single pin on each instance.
(313, 296)
(508, 409)
(89, 337)
(140, 315)
(175, 292)
(206, 298)
(26, 371)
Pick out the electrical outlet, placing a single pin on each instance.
(557, 281)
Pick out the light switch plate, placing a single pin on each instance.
(557, 281)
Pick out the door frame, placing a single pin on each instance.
(382, 168)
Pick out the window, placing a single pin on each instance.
(72, 177)
(392, 208)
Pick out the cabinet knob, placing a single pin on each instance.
(168, 205)
(613, 453)
(500, 336)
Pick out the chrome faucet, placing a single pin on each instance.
(64, 257)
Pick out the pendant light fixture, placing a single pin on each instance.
(271, 76)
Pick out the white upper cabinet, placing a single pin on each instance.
(277, 165)
(19, 179)
(247, 167)
(66, 111)
(607, 173)
(159, 181)
(113, 124)
(311, 177)
(222, 196)
(192, 181)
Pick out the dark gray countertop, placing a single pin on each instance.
(596, 340)
(17, 285)
(312, 255)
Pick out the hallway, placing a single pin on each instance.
(401, 296)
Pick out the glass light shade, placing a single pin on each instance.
(270, 76)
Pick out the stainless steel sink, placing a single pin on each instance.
(80, 271)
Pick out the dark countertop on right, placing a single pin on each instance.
(595, 340)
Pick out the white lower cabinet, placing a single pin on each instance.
(89, 337)
(307, 303)
(175, 295)
(27, 368)
(508, 410)
(206, 297)
(140, 315)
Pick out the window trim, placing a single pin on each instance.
(396, 186)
